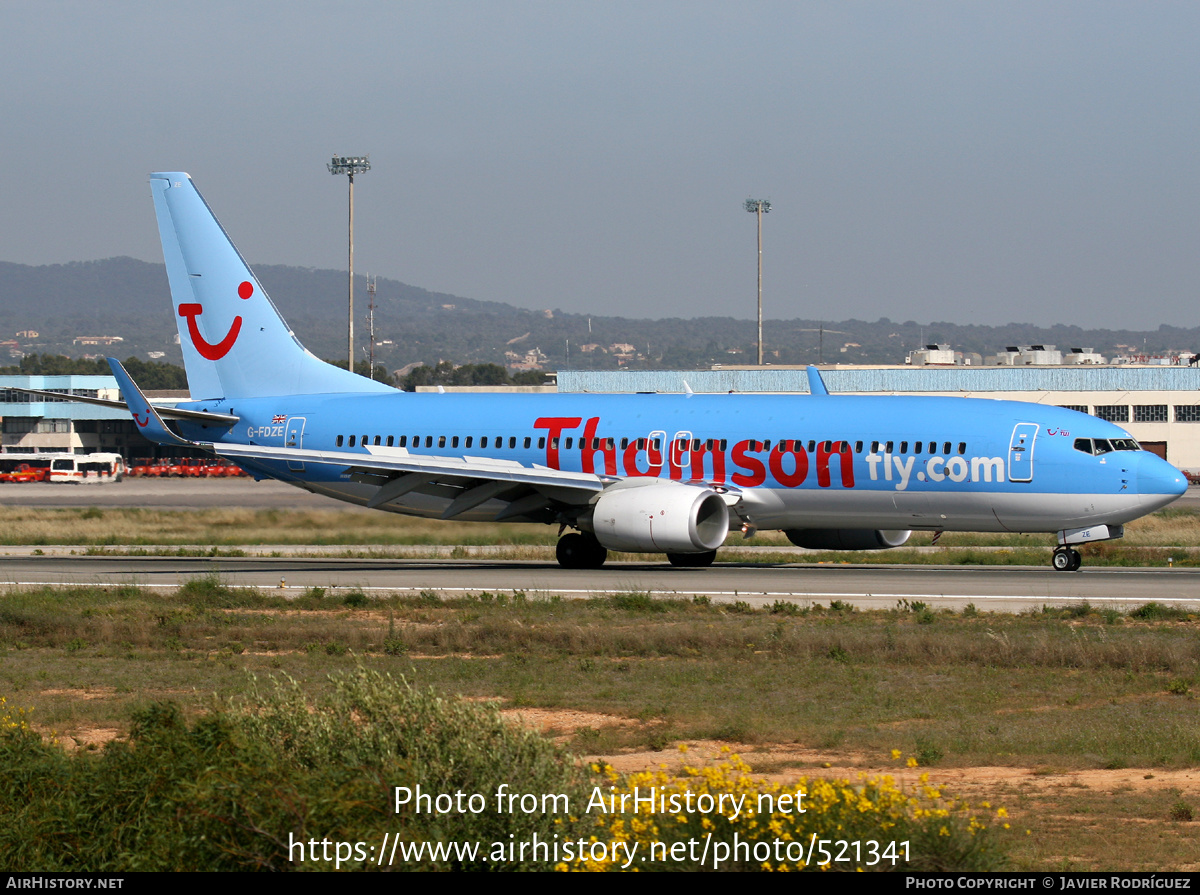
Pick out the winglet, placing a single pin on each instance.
(816, 385)
(148, 421)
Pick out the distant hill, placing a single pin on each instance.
(129, 298)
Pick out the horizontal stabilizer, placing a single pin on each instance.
(165, 411)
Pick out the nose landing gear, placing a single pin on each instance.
(1066, 559)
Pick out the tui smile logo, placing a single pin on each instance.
(210, 350)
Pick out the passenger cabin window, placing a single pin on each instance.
(339, 441)
(351, 441)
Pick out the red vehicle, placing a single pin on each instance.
(25, 473)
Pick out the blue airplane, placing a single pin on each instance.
(645, 473)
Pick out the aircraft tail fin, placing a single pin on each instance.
(235, 342)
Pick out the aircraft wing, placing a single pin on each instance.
(467, 481)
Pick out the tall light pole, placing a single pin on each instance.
(759, 207)
(355, 164)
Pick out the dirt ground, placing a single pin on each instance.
(787, 762)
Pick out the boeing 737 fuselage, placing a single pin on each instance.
(671, 474)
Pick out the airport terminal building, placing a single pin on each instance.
(33, 424)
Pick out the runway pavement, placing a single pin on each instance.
(990, 588)
(1006, 589)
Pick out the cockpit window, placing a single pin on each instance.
(1105, 445)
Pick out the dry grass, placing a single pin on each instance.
(1072, 690)
(236, 527)
(1170, 536)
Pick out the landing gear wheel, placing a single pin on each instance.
(580, 551)
(1066, 560)
(692, 560)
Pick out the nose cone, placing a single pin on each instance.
(1158, 482)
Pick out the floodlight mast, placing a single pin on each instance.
(351, 165)
(759, 207)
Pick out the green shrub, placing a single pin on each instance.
(240, 788)
(638, 601)
(356, 599)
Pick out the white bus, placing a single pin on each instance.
(86, 469)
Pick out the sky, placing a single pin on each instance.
(931, 161)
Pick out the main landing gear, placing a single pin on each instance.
(580, 551)
(1066, 560)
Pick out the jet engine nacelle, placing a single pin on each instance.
(661, 518)
(846, 538)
